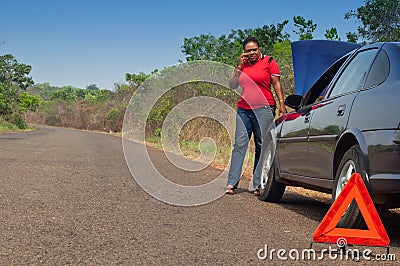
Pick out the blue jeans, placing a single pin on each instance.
(249, 122)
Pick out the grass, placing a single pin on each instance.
(6, 127)
(191, 150)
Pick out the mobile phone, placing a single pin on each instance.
(245, 58)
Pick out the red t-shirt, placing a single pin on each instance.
(255, 81)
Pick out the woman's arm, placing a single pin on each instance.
(234, 79)
(276, 82)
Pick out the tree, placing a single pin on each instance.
(13, 73)
(14, 79)
(136, 79)
(282, 52)
(332, 34)
(67, 93)
(305, 28)
(267, 36)
(92, 87)
(42, 89)
(28, 101)
(352, 37)
(227, 48)
(380, 20)
(208, 47)
(203, 47)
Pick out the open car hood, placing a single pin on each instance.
(312, 57)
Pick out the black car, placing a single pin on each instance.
(347, 122)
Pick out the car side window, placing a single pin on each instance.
(318, 91)
(352, 76)
(379, 70)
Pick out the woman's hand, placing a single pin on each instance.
(242, 58)
(282, 108)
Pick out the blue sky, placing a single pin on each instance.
(96, 42)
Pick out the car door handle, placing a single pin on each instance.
(341, 109)
(307, 118)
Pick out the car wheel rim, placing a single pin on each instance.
(347, 170)
(265, 170)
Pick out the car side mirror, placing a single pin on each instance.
(294, 101)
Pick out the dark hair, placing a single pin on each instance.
(250, 39)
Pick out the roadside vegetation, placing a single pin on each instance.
(91, 108)
(7, 127)
(15, 101)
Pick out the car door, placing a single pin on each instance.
(293, 132)
(292, 144)
(329, 117)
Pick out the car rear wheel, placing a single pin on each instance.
(352, 162)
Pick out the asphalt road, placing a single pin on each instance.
(67, 197)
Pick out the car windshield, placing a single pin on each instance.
(318, 90)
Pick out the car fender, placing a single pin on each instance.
(348, 138)
(278, 128)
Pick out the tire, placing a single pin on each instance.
(270, 189)
(351, 162)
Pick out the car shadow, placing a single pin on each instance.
(315, 209)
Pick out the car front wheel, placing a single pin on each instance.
(270, 189)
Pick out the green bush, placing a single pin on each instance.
(19, 121)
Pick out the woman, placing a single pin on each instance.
(255, 73)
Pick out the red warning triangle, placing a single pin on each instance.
(375, 235)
